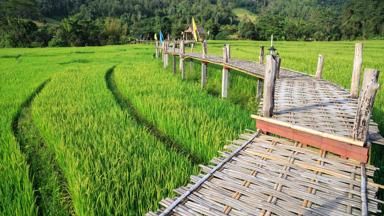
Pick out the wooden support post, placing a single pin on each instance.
(269, 86)
(228, 51)
(370, 75)
(191, 60)
(174, 57)
(165, 54)
(182, 66)
(363, 191)
(278, 64)
(261, 57)
(157, 49)
(320, 65)
(260, 86)
(365, 105)
(162, 52)
(225, 78)
(358, 61)
(204, 65)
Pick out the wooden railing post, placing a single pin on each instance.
(157, 49)
(225, 78)
(259, 90)
(182, 66)
(162, 52)
(260, 82)
(228, 51)
(204, 65)
(269, 86)
(369, 76)
(190, 60)
(261, 57)
(278, 64)
(165, 54)
(357, 63)
(365, 105)
(174, 57)
(320, 65)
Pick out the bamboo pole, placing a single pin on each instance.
(261, 57)
(260, 84)
(182, 66)
(269, 86)
(162, 52)
(320, 65)
(204, 65)
(363, 189)
(358, 61)
(174, 58)
(224, 82)
(228, 51)
(259, 91)
(165, 54)
(190, 60)
(278, 64)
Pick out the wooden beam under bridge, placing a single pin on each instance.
(343, 146)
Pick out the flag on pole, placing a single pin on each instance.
(194, 28)
(161, 37)
(155, 37)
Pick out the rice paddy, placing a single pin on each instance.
(108, 131)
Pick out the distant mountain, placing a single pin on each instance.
(223, 19)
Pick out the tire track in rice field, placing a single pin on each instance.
(125, 104)
(48, 181)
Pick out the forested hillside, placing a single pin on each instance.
(31, 23)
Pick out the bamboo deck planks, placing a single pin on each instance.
(301, 99)
(274, 176)
(265, 175)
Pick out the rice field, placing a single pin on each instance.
(108, 131)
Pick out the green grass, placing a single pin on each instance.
(114, 133)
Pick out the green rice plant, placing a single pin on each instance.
(242, 87)
(198, 121)
(112, 165)
(22, 71)
(47, 179)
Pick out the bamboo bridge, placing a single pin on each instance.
(309, 155)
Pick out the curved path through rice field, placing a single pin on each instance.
(48, 180)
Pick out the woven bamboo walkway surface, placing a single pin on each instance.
(265, 175)
(302, 100)
(319, 105)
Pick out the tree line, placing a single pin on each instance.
(39, 23)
